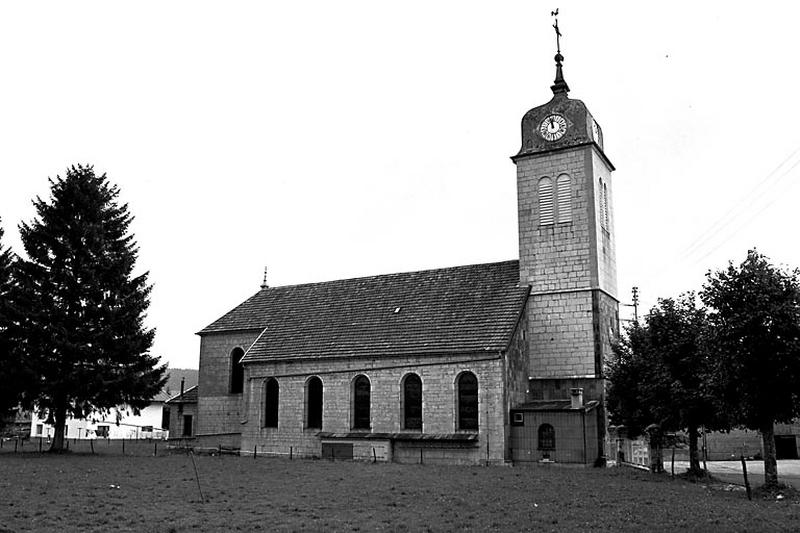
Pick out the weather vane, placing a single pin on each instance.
(559, 85)
(554, 14)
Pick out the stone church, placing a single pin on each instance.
(472, 364)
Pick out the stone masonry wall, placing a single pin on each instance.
(556, 256)
(517, 370)
(561, 334)
(219, 411)
(605, 237)
(438, 375)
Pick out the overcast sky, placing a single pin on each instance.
(341, 139)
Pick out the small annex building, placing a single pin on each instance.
(468, 364)
(180, 412)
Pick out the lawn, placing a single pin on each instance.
(109, 491)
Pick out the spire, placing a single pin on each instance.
(559, 85)
(264, 283)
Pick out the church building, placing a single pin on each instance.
(475, 364)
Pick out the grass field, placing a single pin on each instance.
(112, 492)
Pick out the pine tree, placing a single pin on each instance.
(83, 328)
(9, 360)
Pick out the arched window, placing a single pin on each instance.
(564, 198)
(467, 389)
(314, 403)
(361, 392)
(412, 402)
(237, 371)
(271, 398)
(546, 207)
(547, 437)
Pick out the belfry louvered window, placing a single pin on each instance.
(602, 193)
(546, 207)
(564, 198)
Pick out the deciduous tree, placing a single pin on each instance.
(755, 314)
(83, 326)
(659, 380)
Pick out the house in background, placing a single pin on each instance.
(18, 425)
(122, 423)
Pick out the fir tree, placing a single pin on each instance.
(9, 360)
(83, 328)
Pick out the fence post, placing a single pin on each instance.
(123, 445)
(16, 441)
(255, 451)
(673, 461)
(155, 448)
(746, 482)
(91, 445)
(291, 453)
(40, 444)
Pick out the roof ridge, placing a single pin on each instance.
(179, 394)
(373, 276)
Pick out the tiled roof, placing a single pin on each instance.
(471, 308)
(173, 385)
(189, 396)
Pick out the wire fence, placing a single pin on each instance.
(132, 447)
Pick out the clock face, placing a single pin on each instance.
(596, 132)
(553, 127)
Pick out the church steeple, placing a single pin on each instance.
(567, 244)
(559, 85)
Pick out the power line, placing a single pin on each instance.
(736, 210)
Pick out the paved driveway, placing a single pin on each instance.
(731, 471)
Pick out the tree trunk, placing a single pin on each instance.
(57, 445)
(655, 441)
(770, 455)
(656, 457)
(694, 459)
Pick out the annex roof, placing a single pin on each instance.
(173, 385)
(554, 405)
(464, 309)
(189, 396)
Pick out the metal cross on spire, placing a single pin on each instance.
(554, 14)
(559, 86)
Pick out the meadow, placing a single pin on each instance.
(109, 491)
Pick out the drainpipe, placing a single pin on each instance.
(583, 420)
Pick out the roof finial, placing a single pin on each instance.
(559, 85)
(264, 283)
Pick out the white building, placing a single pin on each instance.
(122, 423)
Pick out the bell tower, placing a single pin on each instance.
(566, 245)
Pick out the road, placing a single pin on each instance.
(731, 471)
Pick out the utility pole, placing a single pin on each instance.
(635, 293)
